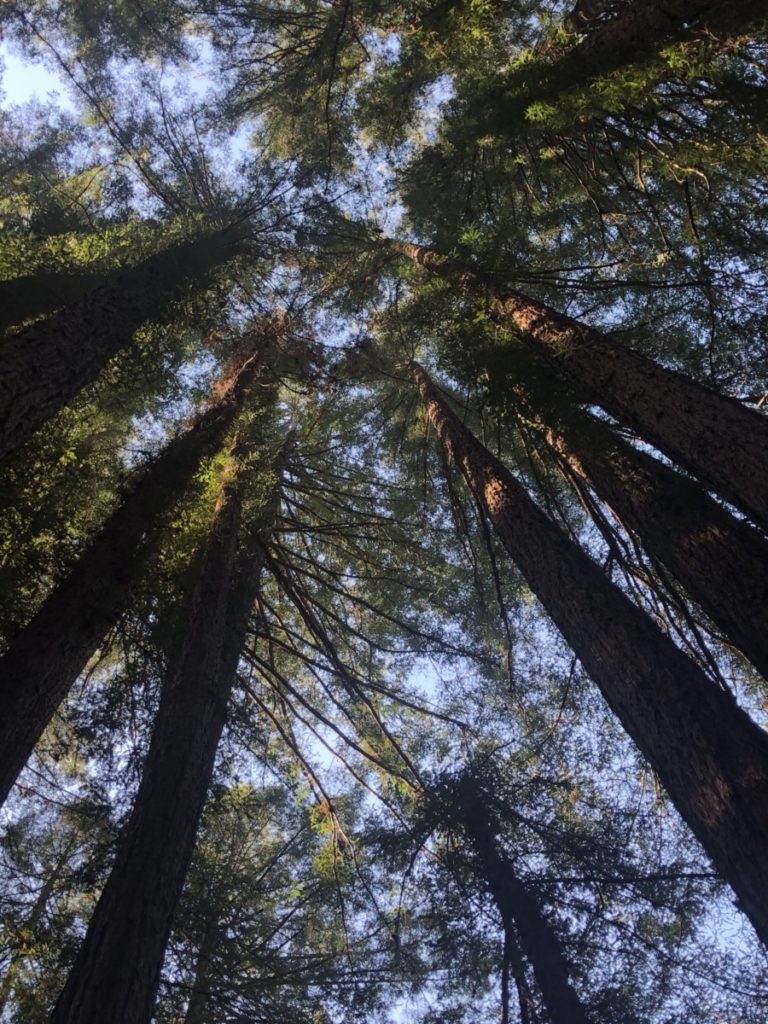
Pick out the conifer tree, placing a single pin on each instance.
(674, 713)
(118, 968)
(696, 427)
(42, 662)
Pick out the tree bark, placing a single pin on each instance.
(46, 657)
(713, 437)
(117, 972)
(43, 366)
(517, 906)
(710, 757)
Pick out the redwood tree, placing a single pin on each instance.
(117, 971)
(692, 424)
(45, 658)
(45, 364)
(709, 755)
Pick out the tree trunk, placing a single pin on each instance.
(117, 972)
(713, 437)
(711, 758)
(644, 26)
(199, 997)
(721, 561)
(22, 298)
(46, 657)
(44, 366)
(539, 942)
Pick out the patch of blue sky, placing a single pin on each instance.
(25, 80)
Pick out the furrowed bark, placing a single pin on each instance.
(517, 906)
(712, 436)
(43, 661)
(117, 972)
(710, 757)
(43, 366)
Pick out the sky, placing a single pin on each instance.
(22, 81)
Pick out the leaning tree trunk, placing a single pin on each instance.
(46, 657)
(721, 561)
(43, 366)
(711, 758)
(538, 940)
(117, 971)
(714, 437)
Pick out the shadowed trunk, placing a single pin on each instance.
(644, 26)
(43, 661)
(711, 758)
(43, 366)
(713, 437)
(117, 971)
(721, 561)
(517, 906)
(199, 999)
(22, 298)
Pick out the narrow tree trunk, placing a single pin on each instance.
(199, 998)
(538, 940)
(46, 657)
(714, 437)
(44, 365)
(711, 758)
(32, 923)
(117, 972)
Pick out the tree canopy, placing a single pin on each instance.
(384, 505)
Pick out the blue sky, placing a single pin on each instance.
(23, 81)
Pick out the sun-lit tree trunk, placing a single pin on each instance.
(43, 366)
(43, 661)
(711, 758)
(117, 971)
(518, 908)
(712, 436)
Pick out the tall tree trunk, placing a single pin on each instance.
(715, 438)
(44, 365)
(22, 298)
(721, 561)
(46, 657)
(517, 906)
(117, 971)
(710, 757)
